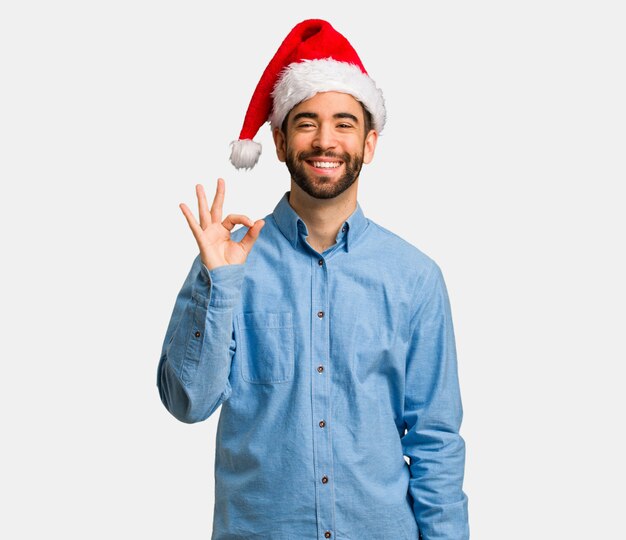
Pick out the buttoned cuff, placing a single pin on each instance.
(220, 287)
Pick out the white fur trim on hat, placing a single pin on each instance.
(245, 153)
(302, 80)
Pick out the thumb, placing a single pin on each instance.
(251, 236)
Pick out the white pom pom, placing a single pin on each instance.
(245, 153)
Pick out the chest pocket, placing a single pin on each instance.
(266, 344)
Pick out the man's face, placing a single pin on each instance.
(325, 144)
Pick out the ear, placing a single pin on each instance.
(370, 145)
(281, 144)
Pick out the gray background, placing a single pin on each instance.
(503, 159)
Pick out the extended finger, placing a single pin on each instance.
(232, 220)
(203, 207)
(191, 220)
(218, 201)
(250, 237)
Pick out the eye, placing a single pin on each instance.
(344, 125)
(304, 125)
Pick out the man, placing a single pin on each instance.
(326, 339)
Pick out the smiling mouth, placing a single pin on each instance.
(324, 164)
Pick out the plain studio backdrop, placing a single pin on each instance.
(502, 159)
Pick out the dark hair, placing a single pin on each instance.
(367, 120)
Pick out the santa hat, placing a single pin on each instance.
(313, 58)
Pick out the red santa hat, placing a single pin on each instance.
(313, 58)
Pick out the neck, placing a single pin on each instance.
(323, 217)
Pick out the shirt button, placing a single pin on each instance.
(197, 334)
(322, 423)
(327, 534)
(343, 229)
(320, 314)
(321, 262)
(324, 479)
(320, 369)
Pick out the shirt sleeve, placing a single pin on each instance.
(432, 416)
(194, 367)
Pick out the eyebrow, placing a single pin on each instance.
(314, 116)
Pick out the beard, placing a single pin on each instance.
(323, 187)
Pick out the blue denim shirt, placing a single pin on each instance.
(330, 368)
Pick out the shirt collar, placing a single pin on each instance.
(292, 225)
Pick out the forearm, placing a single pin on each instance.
(197, 351)
(437, 461)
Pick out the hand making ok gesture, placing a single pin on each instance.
(213, 235)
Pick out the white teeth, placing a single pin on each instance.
(325, 164)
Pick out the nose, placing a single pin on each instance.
(324, 138)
